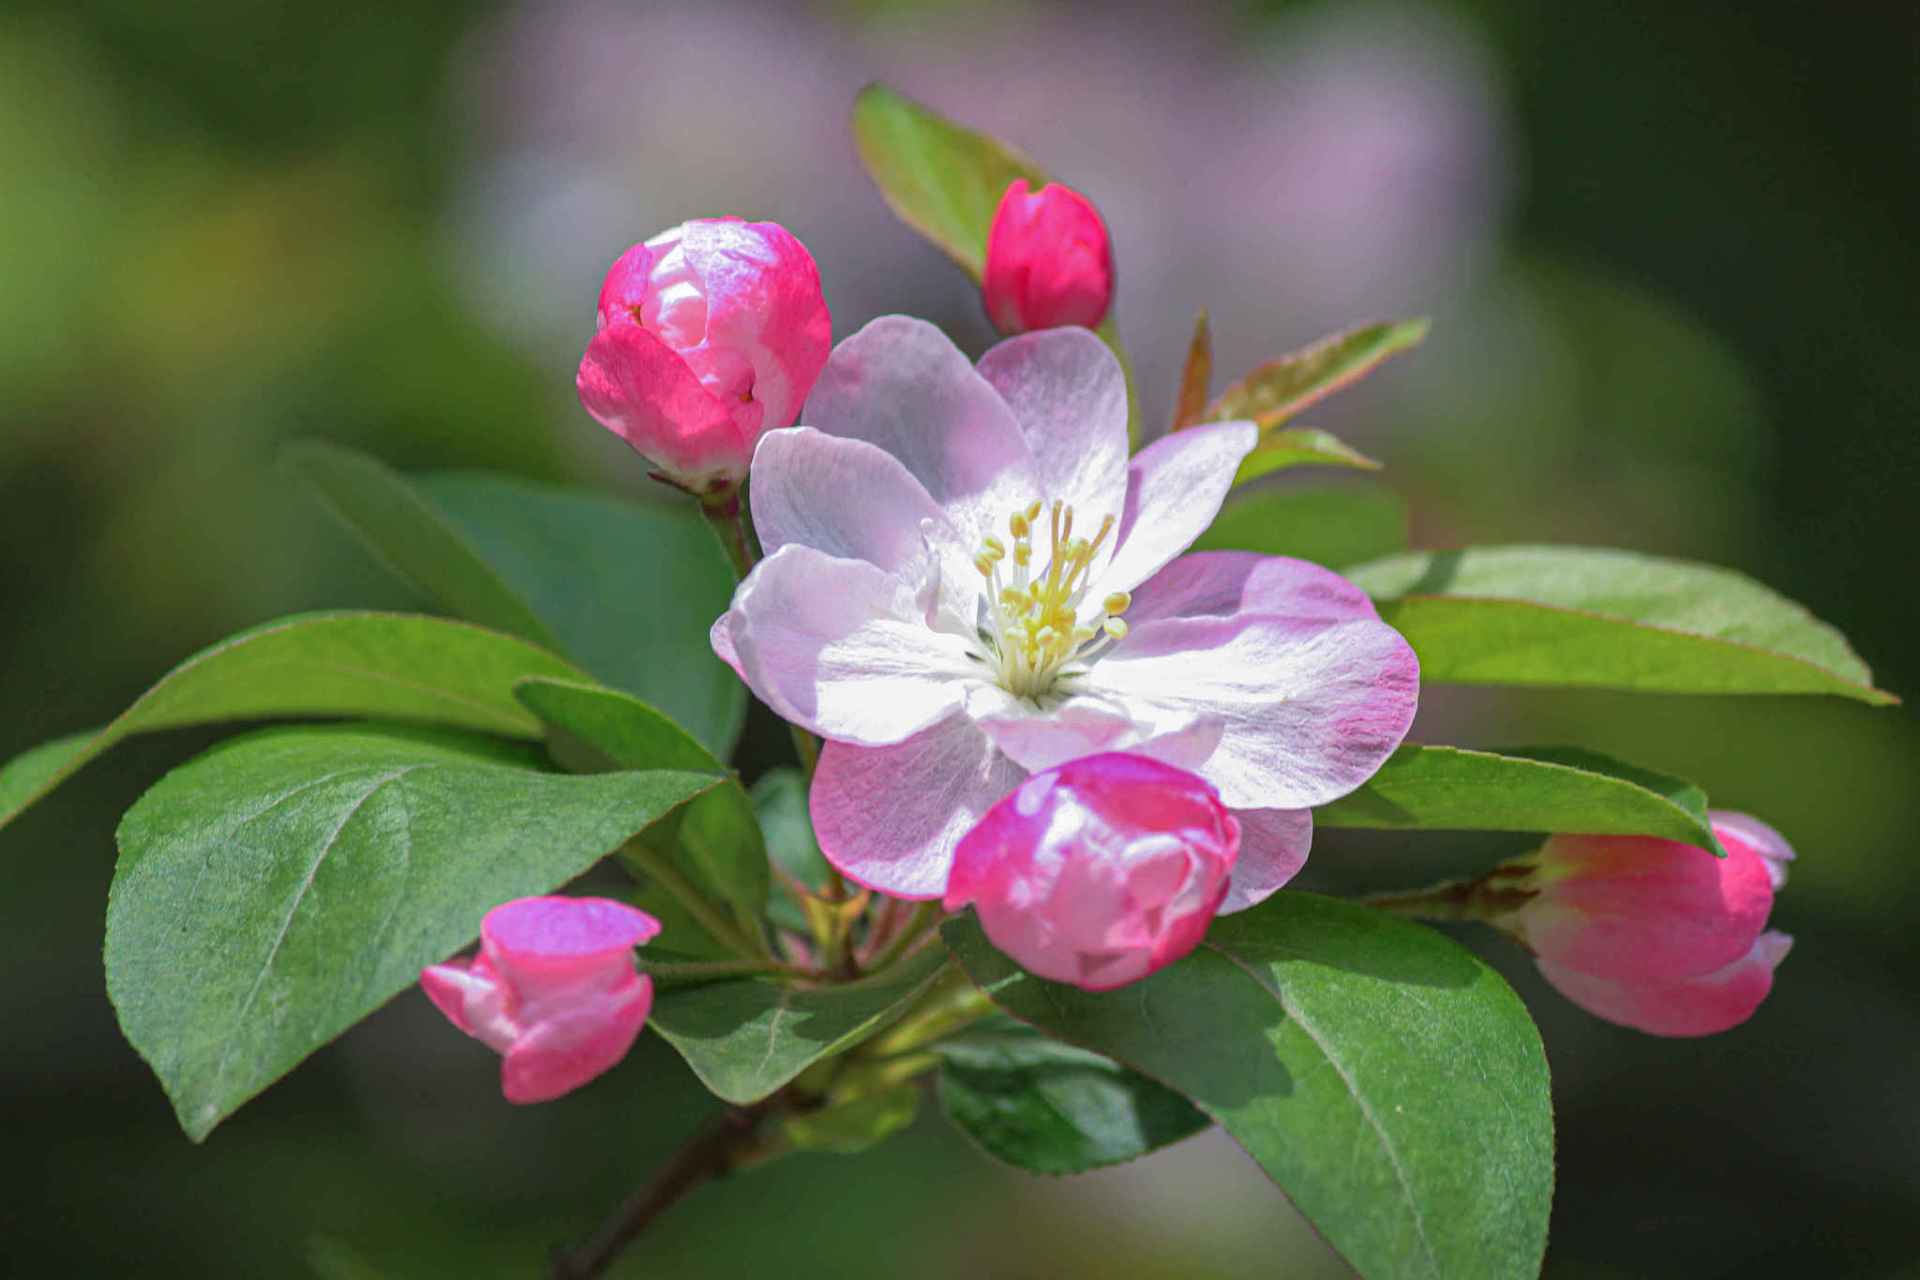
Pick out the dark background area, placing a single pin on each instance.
(1670, 254)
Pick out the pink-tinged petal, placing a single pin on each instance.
(623, 294)
(1040, 739)
(1068, 395)
(1642, 909)
(1273, 848)
(720, 636)
(763, 302)
(565, 1050)
(451, 986)
(1220, 584)
(1174, 490)
(844, 497)
(901, 384)
(842, 648)
(1759, 837)
(1700, 1006)
(1308, 709)
(889, 817)
(1100, 871)
(639, 388)
(548, 939)
(1049, 260)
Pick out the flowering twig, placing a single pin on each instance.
(925, 917)
(721, 1147)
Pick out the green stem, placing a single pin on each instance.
(926, 916)
(683, 890)
(721, 969)
(723, 513)
(1484, 899)
(953, 1002)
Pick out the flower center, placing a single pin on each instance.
(1032, 625)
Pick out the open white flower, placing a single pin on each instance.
(967, 580)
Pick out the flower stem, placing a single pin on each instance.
(669, 878)
(1484, 899)
(722, 969)
(725, 518)
(926, 916)
(952, 1003)
(730, 1142)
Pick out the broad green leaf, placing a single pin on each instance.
(1334, 526)
(1284, 447)
(1382, 1075)
(1535, 615)
(388, 665)
(1548, 789)
(626, 589)
(1281, 388)
(1049, 1107)
(630, 588)
(780, 798)
(848, 1128)
(717, 836)
(279, 888)
(747, 1038)
(412, 538)
(941, 179)
(945, 181)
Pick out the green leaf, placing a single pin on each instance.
(848, 1128)
(1281, 388)
(279, 888)
(628, 590)
(945, 181)
(717, 838)
(1048, 1107)
(1534, 615)
(1284, 447)
(412, 538)
(1383, 1076)
(387, 665)
(1333, 526)
(631, 589)
(780, 798)
(941, 179)
(746, 1039)
(1548, 789)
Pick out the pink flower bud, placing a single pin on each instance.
(1100, 871)
(1049, 261)
(553, 990)
(1656, 934)
(707, 335)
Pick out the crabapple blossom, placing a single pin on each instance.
(707, 335)
(1652, 933)
(1007, 594)
(1049, 260)
(553, 990)
(1100, 871)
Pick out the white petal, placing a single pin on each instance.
(901, 384)
(1037, 739)
(1067, 393)
(1207, 584)
(1273, 848)
(1309, 709)
(890, 817)
(845, 497)
(1174, 490)
(843, 648)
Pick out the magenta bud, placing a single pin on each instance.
(553, 990)
(1049, 261)
(707, 335)
(1100, 871)
(1656, 934)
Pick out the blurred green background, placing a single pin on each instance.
(1670, 254)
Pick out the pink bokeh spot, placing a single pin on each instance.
(1049, 260)
(706, 336)
(1656, 934)
(1100, 871)
(553, 990)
